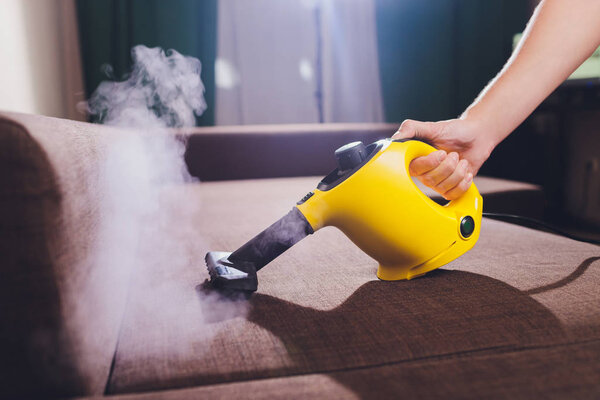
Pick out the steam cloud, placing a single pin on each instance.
(146, 229)
(163, 90)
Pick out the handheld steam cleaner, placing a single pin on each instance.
(372, 199)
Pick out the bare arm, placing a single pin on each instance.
(560, 35)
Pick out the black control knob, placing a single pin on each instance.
(350, 155)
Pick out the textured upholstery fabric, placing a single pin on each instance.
(58, 332)
(562, 372)
(320, 308)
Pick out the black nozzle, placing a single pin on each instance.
(237, 270)
(225, 276)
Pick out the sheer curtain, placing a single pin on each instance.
(297, 61)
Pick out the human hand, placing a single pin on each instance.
(462, 150)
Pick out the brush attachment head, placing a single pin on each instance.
(237, 270)
(225, 275)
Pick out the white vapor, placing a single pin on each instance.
(147, 225)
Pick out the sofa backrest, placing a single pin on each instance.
(60, 312)
(270, 151)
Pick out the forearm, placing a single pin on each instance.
(559, 37)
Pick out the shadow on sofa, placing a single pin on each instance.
(578, 273)
(390, 323)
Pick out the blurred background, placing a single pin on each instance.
(317, 61)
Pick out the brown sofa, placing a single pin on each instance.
(517, 317)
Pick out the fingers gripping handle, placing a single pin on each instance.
(468, 204)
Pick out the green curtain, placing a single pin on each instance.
(110, 28)
(436, 55)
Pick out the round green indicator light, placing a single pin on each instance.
(467, 226)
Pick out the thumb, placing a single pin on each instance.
(413, 129)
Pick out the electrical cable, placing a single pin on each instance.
(533, 221)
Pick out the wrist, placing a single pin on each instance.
(488, 132)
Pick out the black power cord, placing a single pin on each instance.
(537, 222)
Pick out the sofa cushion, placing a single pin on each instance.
(320, 309)
(60, 311)
(527, 374)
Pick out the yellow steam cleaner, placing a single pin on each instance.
(372, 199)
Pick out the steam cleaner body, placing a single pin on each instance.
(372, 199)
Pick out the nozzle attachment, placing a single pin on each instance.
(223, 274)
(237, 270)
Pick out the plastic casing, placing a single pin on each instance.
(385, 214)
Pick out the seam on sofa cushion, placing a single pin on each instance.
(113, 361)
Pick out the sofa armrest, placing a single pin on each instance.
(60, 310)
